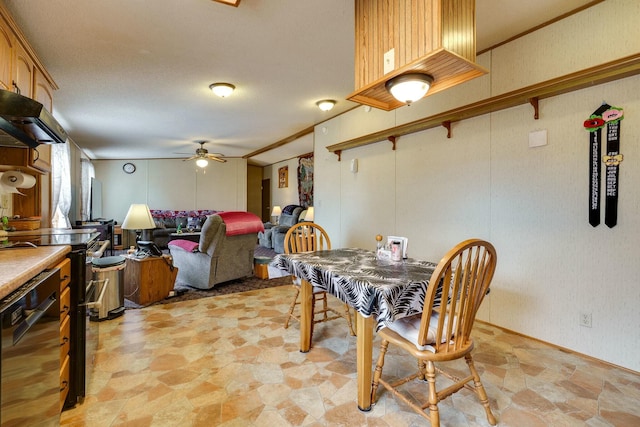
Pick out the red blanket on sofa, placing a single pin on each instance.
(239, 222)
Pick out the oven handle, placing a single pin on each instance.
(33, 318)
(98, 302)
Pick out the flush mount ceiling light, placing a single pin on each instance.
(409, 87)
(202, 163)
(222, 89)
(326, 104)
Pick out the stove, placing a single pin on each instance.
(84, 243)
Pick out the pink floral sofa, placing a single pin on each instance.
(168, 221)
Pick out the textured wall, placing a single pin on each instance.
(172, 184)
(486, 182)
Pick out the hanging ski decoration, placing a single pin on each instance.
(609, 116)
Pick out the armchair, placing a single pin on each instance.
(290, 216)
(224, 251)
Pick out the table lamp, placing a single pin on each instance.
(310, 214)
(277, 210)
(139, 219)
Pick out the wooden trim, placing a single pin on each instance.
(610, 71)
(233, 3)
(544, 24)
(280, 143)
(559, 347)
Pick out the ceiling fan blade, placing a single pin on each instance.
(190, 158)
(217, 159)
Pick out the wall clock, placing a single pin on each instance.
(129, 167)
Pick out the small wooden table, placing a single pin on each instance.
(192, 236)
(148, 280)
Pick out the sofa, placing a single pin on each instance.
(168, 221)
(273, 235)
(224, 251)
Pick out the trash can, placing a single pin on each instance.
(108, 281)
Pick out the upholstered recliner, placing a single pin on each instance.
(224, 252)
(265, 238)
(289, 217)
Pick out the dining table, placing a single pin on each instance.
(380, 291)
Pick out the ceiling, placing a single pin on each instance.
(134, 75)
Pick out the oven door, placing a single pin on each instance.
(30, 354)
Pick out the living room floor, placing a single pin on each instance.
(228, 361)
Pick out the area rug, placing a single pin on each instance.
(186, 293)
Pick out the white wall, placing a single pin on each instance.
(172, 184)
(283, 196)
(485, 181)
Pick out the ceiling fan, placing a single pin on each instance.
(203, 156)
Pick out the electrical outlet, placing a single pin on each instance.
(585, 319)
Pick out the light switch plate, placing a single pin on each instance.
(538, 138)
(389, 61)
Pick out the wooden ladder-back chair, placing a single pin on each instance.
(310, 237)
(443, 331)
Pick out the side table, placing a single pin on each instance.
(193, 237)
(148, 280)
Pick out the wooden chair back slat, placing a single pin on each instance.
(461, 281)
(306, 237)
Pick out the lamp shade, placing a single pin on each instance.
(276, 211)
(409, 87)
(202, 162)
(138, 218)
(310, 214)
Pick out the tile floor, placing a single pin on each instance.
(227, 361)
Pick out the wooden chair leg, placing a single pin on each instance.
(347, 314)
(480, 391)
(293, 306)
(434, 415)
(378, 371)
(422, 370)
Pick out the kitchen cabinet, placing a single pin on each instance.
(21, 70)
(29, 160)
(24, 76)
(65, 327)
(43, 90)
(7, 41)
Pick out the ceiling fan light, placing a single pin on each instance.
(409, 87)
(222, 89)
(326, 104)
(202, 162)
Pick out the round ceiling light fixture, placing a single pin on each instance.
(222, 89)
(409, 87)
(202, 162)
(326, 104)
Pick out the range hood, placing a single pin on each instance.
(25, 122)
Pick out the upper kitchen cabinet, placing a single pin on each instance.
(20, 68)
(24, 72)
(6, 54)
(390, 41)
(43, 90)
(21, 71)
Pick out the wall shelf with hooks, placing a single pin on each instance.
(603, 73)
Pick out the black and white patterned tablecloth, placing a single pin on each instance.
(385, 289)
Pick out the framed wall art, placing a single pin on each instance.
(283, 177)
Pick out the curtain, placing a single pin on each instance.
(87, 172)
(60, 185)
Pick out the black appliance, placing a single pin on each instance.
(30, 353)
(84, 333)
(24, 121)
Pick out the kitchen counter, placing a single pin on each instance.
(18, 265)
